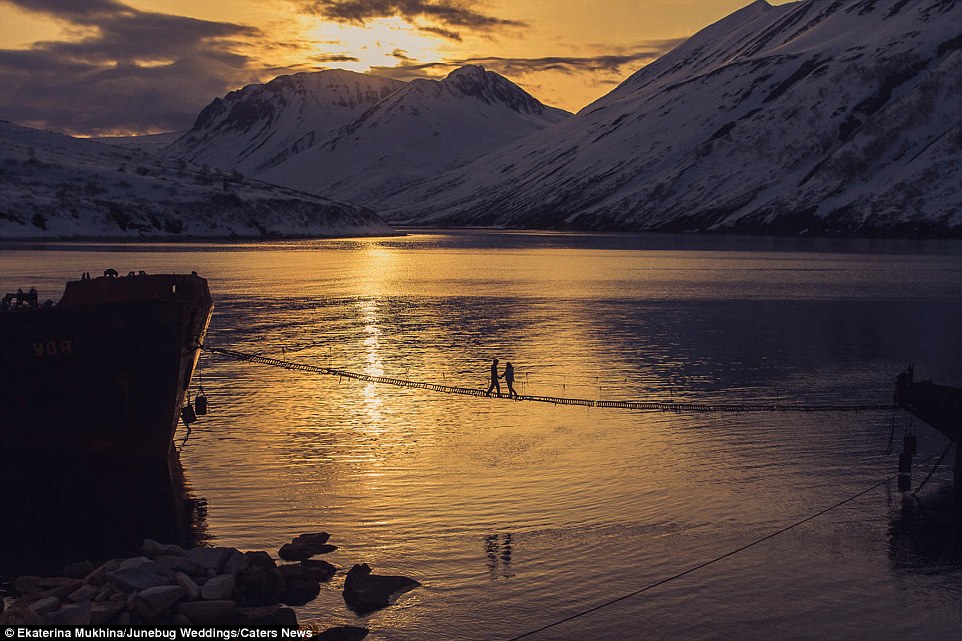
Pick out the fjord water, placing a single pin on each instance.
(514, 515)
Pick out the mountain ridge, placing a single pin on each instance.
(56, 186)
(424, 128)
(258, 126)
(799, 118)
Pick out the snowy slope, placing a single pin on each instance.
(151, 143)
(424, 128)
(55, 186)
(256, 127)
(822, 116)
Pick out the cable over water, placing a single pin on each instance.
(649, 406)
(716, 559)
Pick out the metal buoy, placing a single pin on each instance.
(187, 415)
(200, 404)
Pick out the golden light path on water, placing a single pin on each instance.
(515, 514)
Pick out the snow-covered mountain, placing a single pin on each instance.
(821, 116)
(55, 186)
(424, 128)
(256, 127)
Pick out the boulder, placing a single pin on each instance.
(342, 633)
(210, 612)
(104, 593)
(152, 604)
(236, 562)
(28, 584)
(299, 591)
(302, 551)
(17, 616)
(102, 612)
(260, 586)
(365, 592)
(319, 538)
(152, 549)
(99, 575)
(209, 558)
(84, 593)
(44, 605)
(260, 560)
(299, 587)
(218, 588)
(78, 570)
(38, 585)
(69, 615)
(294, 552)
(272, 616)
(134, 562)
(296, 572)
(324, 549)
(320, 570)
(191, 589)
(141, 576)
(65, 589)
(181, 564)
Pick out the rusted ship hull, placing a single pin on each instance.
(104, 373)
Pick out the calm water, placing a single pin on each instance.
(514, 515)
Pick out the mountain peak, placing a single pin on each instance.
(476, 82)
(467, 71)
(814, 117)
(261, 124)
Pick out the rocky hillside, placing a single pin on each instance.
(259, 126)
(817, 117)
(357, 137)
(55, 186)
(424, 128)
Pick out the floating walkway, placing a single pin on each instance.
(647, 406)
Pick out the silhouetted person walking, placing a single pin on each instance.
(494, 379)
(509, 379)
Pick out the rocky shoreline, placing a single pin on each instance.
(201, 586)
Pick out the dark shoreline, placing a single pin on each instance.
(900, 233)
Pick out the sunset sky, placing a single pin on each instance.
(93, 67)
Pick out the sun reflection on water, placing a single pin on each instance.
(502, 509)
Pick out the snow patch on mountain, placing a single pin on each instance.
(822, 117)
(259, 126)
(422, 129)
(55, 186)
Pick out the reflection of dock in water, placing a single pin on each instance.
(927, 535)
(58, 512)
(940, 406)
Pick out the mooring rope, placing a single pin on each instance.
(649, 406)
(714, 560)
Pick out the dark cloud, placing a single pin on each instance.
(85, 12)
(450, 13)
(129, 70)
(615, 63)
(324, 58)
(440, 31)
